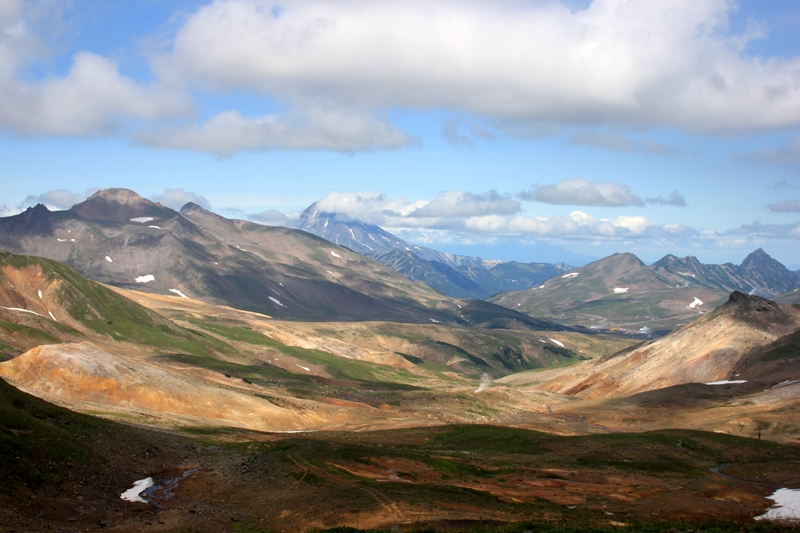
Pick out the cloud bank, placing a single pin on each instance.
(340, 68)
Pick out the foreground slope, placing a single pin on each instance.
(708, 350)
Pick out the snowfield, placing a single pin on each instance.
(570, 275)
(145, 279)
(697, 301)
(133, 493)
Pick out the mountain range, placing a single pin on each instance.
(118, 237)
(455, 275)
(267, 379)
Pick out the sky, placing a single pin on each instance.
(533, 130)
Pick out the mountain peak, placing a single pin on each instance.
(120, 205)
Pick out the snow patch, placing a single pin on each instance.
(305, 368)
(145, 279)
(40, 294)
(154, 227)
(728, 382)
(619, 290)
(787, 505)
(334, 254)
(785, 383)
(686, 274)
(109, 259)
(276, 301)
(178, 292)
(570, 275)
(556, 342)
(52, 316)
(434, 321)
(697, 301)
(22, 310)
(65, 240)
(133, 493)
(141, 220)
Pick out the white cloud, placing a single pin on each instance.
(457, 204)
(55, 199)
(177, 198)
(617, 142)
(310, 129)
(675, 199)
(636, 63)
(579, 191)
(487, 215)
(270, 216)
(786, 206)
(93, 99)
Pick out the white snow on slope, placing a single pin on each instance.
(570, 275)
(40, 294)
(52, 316)
(109, 259)
(22, 310)
(434, 321)
(787, 505)
(334, 254)
(697, 301)
(686, 274)
(727, 382)
(154, 227)
(276, 301)
(132, 494)
(555, 342)
(65, 240)
(178, 292)
(619, 290)
(141, 220)
(145, 279)
(304, 368)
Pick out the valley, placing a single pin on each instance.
(284, 383)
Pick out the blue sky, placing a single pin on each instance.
(508, 129)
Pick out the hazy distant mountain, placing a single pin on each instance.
(455, 275)
(758, 274)
(120, 238)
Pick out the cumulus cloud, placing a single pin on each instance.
(453, 136)
(532, 61)
(270, 216)
(177, 198)
(787, 206)
(92, 99)
(310, 129)
(617, 142)
(579, 191)
(55, 199)
(772, 231)
(786, 155)
(675, 199)
(456, 204)
(486, 215)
